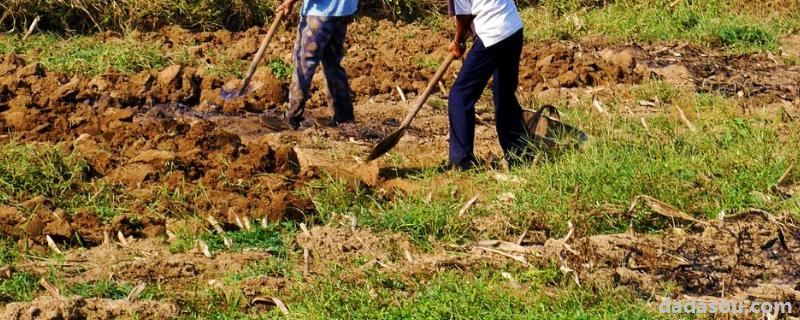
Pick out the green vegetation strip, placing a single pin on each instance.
(736, 26)
(33, 170)
(730, 163)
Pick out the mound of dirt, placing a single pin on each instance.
(81, 227)
(759, 76)
(32, 97)
(570, 65)
(47, 308)
(146, 261)
(733, 259)
(138, 132)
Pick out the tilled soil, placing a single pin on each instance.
(170, 128)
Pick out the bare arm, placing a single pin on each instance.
(463, 29)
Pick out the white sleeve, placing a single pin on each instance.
(463, 7)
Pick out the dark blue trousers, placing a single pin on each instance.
(501, 60)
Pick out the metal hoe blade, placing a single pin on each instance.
(391, 141)
(386, 144)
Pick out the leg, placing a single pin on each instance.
(508, 119)
(467, 89)
(339, 94)
(308, 50)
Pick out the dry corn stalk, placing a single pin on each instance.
(467, 205)
(136, 292)
(122, 240)
(32, 28)
(402, 95)
(305, 230)
(215, 224)
(686, 120)
(204, 248)
(52, 245)
(239, 222)
(665, 210)
(228, 242)
(51, 289)
(306, 262)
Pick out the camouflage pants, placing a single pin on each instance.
(320, 39)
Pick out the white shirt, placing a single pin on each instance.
(495, 20)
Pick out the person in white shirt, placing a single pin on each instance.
(495, 53)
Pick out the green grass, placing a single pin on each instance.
(281, 70)
(111, 290)
(100, 15)
(226, 66)
(87, 55)
(714, 23)
(543, 294)
(20, 287)
(100, 289)
(428, 63)
(257, 238)
(455, 295)
(28, 171)
(8, 252)
(729, 164)
(705, 22)
(273, 239)
(273, 267)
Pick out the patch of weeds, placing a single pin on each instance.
(662, 91)
(331, 197)
(281, 70)
(269, 239)
(185, 239)
(111, 290)
(725, 165)
(225, 66)
(100, 289)
(28, 170)
(702, 22)
(8, 252)
(180, 201)
(19, 288)
(412, 215)
(272, 267)
(452, 295)
(428, 63)
(792, 60)
(90, 57)
(402, 9)
(747, 35)
(434, 21)
(217, 305)
(437, 103)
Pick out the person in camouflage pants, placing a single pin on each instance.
(320, 39)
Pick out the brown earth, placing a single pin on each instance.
(170, 129)
(704, 260)
(93, 309)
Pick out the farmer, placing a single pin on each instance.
(495, 53)
(320, 38)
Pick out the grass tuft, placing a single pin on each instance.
(19, 287)
(729, 164)
(28, 171)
